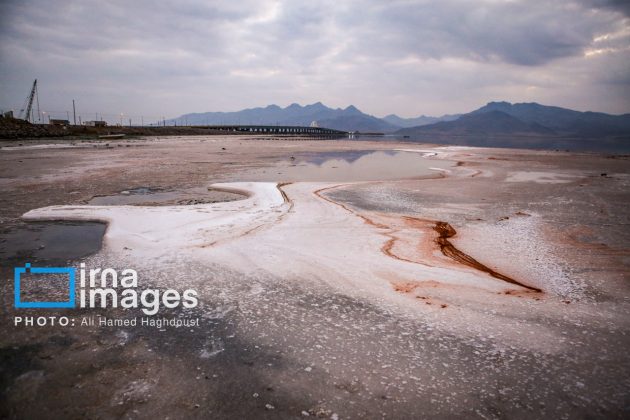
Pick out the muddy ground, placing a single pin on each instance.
(272, 348)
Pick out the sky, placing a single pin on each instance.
(152, 59)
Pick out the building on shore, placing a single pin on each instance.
(95, 123)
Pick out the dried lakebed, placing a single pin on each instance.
(333, 297)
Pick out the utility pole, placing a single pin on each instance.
(142, 121)
(74, 113)
(37, 97)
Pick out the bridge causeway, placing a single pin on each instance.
(279, 129)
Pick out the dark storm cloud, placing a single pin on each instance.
(393, 56)
(622, 6)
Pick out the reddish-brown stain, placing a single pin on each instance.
(446, 231)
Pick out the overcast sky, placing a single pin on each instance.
(405, 57)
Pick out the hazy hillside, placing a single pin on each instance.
(491, 122)
(418, 121)
(503, 118)
(361, 123)
(531, 125)
(564, 121)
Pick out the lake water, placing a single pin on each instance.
(50, 242)
(348, 166)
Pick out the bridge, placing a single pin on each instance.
(279, 129)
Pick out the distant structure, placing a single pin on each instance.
(314, 124)
(8, 114)
(95, 123)
(54, 121)
(289, 130)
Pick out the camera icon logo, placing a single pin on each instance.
(19, 271)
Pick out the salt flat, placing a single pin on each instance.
(333, 296)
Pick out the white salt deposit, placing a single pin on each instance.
(540, 177)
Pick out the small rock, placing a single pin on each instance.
(308, 368)
(269, 407)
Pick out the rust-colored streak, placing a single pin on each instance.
(388, 246)
(446, 231)
(285, 197)
(319, 194)
(387, 249)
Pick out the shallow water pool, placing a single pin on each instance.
(349, 166)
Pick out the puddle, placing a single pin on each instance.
(146, 196)
(50, 242)
(349, 156)
(350, 166)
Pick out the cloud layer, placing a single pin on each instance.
(408, 57)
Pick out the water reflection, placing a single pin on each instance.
(349, 166)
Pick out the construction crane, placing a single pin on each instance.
(28, 105)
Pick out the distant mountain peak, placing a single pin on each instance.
(496, 106)
(317, 106)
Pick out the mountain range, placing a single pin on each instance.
(347, 119)
(493, 120)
